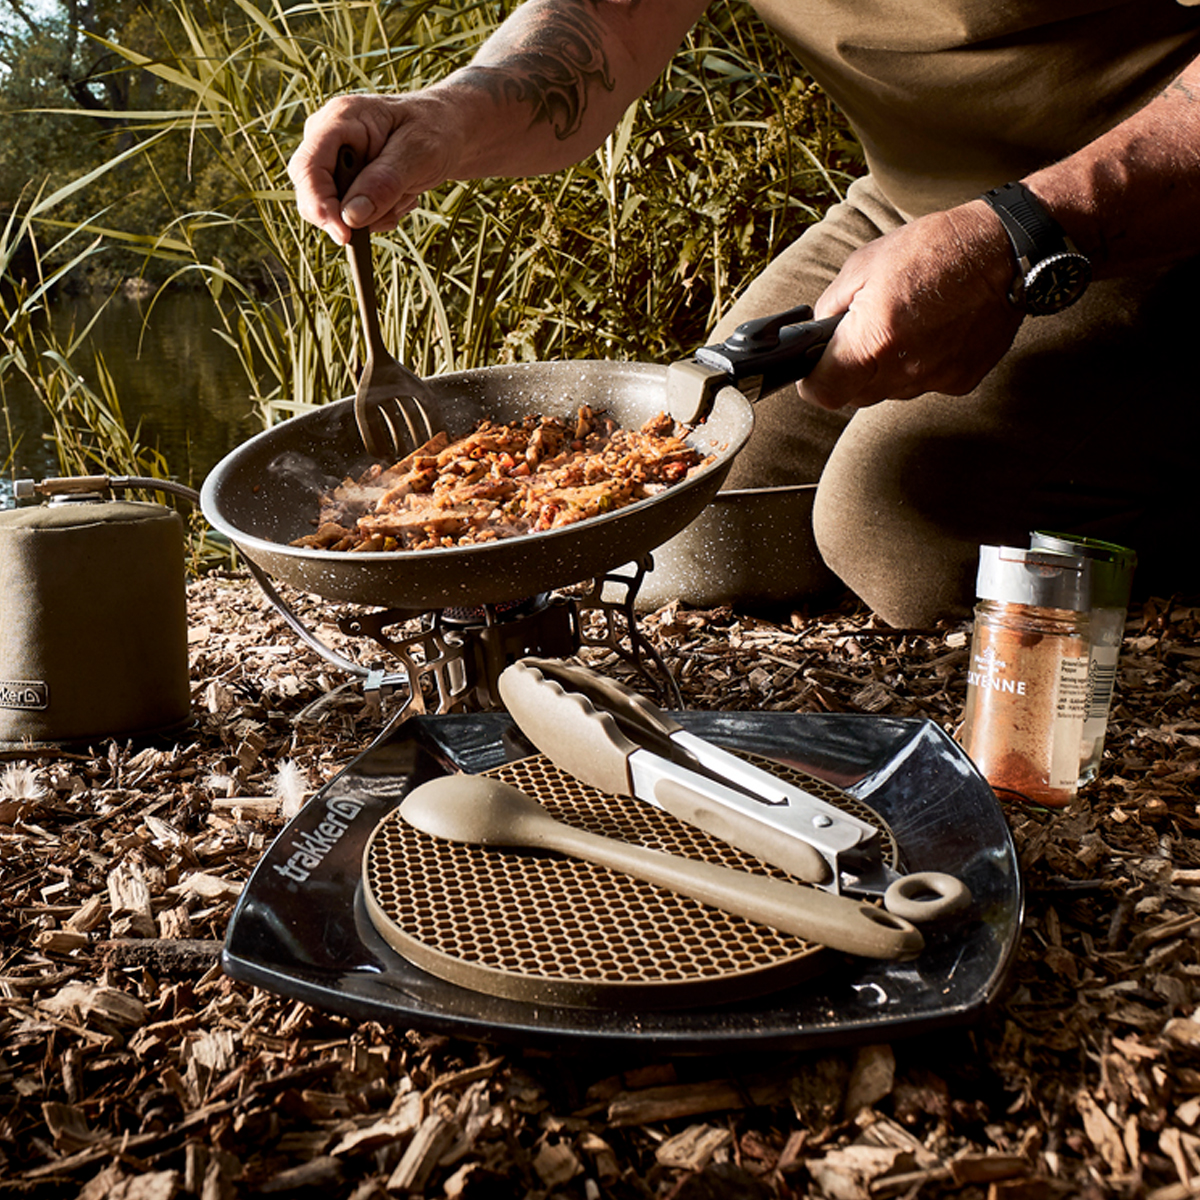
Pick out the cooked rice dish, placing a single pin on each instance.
(501, 481)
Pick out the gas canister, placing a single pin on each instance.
(93, 621)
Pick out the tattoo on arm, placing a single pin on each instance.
(1181, 89)
(551, 66)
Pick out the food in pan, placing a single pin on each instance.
(501, 481)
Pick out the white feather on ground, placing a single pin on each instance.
(291, 787)
(21, 783)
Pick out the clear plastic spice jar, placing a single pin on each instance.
(1027, 679)
(1112, 569)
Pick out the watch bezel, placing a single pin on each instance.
(1055, 283)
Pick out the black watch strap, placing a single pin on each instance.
(1034, 232)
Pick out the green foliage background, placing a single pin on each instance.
(176, 123)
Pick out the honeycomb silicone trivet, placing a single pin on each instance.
(547, 929)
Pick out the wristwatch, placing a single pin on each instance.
(1051, 273)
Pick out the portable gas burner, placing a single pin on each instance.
(318, 920)
(449, 659)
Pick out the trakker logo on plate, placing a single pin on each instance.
(311, 846)
(24, 694)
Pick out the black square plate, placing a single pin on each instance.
(300, 928)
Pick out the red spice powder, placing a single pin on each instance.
(1020, 700)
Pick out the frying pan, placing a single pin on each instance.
(265, 493)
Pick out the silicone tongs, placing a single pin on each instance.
(617, 741)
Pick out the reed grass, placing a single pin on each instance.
(632, 254)
(89, 433)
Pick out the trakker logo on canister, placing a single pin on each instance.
(24, 694)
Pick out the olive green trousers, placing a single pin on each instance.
(1087, 426)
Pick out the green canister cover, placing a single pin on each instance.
(1041, 578)
(93, 622)
(1112, 565)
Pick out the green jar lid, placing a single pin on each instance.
(1112, 565)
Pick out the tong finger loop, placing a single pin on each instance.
(926, 895)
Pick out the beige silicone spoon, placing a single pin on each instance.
(489, 812)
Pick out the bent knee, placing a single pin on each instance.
(902, 553)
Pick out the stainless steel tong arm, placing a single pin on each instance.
(784, 837)
(829, 825)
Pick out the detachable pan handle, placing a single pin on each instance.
(758, 357)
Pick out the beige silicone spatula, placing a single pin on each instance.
(488, 812)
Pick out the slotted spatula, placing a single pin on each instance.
(391, 404)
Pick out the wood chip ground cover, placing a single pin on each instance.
(131, 1067)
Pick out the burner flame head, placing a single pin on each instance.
(469, 616)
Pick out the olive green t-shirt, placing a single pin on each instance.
(951, 97)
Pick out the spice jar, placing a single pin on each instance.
(1028, 672)
(1112, 579)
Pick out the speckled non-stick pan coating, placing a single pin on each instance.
(265, 493)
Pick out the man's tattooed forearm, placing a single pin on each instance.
(551, 65)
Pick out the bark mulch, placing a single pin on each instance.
(131, 1067)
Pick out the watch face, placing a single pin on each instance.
(1056, 283)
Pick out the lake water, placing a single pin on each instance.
(173, 374)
